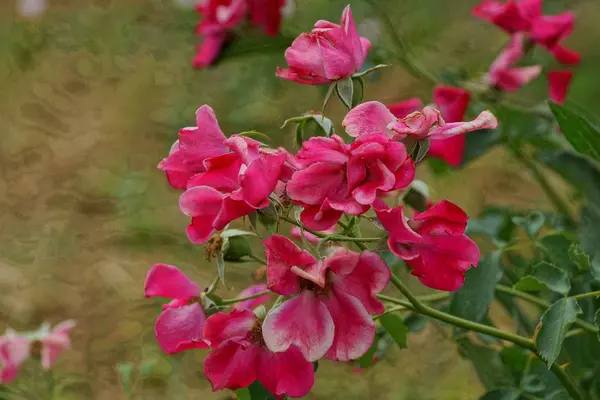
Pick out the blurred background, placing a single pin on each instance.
(94, 93)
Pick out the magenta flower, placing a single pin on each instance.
(329, 53)
(266, 13)
(252, 303)
(218, 18)
(239, 357)
(14, 350)
(452, 103)
(55, 342)
(432, 243)
(330, 314)
(225, 178)
(373, 117)
(179, 326)
(338, 178)
(503, 75)
(559, 82)
(195, 145)
(525, 16)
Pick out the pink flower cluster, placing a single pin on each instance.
(525, 22)
(16, 348)
(219, 17)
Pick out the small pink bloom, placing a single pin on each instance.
(330, 315)
(252, 303)
(548, 30)
(373, 117)
(328, 53)
(338, 178)
(55, 342)
(298, 233)
(511, 16)
(432, 243)
(267, 13)
(195, 145)
(503, 75)
(239, 357)
(559, 82)
(14, 350)
(179, 326)
(209, 49)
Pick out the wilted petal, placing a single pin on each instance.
(285, 373)
(282, 254)
(179, 329)
(222, 327)
(302, 321)
(485, 120)
(354, 328)
(231, 366)
(168, 281)
(368, 118)
(559, 82)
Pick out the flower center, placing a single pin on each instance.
(319, 290)
(256, 335)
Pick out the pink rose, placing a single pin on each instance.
(503, 75)
(432, 243)
(329, 53)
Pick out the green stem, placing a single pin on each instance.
(294, 222)
(556, 200)
(358, 241)
(544, 304)
(488, 330)
(406, 305)
(227, 302)
(213, 286)
(585, 295)
(257, 259)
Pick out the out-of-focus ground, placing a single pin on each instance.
(92, 96)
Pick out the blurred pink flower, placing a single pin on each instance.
(503, 75)
(559, 82)
(328, 53)
(432, 243)
(373, 117)
(330, 314)
(31, 8)
(252, 303)
(239, 357)
(179, 326)
(14, 350)
(55, 342)
(525, 16)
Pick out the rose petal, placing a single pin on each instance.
(368, 118)
(285, 373)
(179, 329)
(282, 254)
(168, 281)
(231, 366)
(222, 327)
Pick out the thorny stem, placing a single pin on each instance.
(239, 299)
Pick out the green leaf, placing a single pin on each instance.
(529, 283)
(578, 129)
(554, 326)
(473, 299)
(367, 359)
(328, 95)
(478, 143)
(259, 392)
(487, 362)
(229, 233)
(552, 277)
(495, 222)
(579, 257)
(501, 394)
(258, 136)
(221, 264)
(580, 171)
(253, 221)
(532, 223)
(556, 248)
(251, 45)
(589, 230)
(125, 370)
(359, 91)
(597, 321)
(345, 91)
(238, 248)
(394, 325)
(243, 394)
